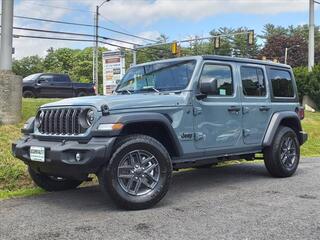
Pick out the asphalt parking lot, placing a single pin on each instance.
(234, 202)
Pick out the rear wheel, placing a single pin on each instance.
(282, 158)
(139, 173)
(28, 94)
(51, 183)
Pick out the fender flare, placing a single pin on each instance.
(130, 118)
(275, 123)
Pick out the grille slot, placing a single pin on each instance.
(64, 121)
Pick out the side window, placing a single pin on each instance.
(223, 76)
(46, 78)
(253, 82)
(281, 82)
(59, 78)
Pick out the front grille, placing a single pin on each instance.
(61, 121)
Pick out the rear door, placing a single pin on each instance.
(256, 106)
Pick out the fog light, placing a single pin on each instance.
(78, 157)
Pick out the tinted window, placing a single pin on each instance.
(253, 82)
(281, 83)
(47, 78)
(173, 75)
(60, 78)
(223, 76)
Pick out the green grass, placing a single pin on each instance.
(14, 179)
(311, 124)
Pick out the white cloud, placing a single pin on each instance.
(147, 12)
(135, 12)
(29, 46)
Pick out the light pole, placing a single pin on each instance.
(311, 36)
(286, 52)
(95, 73)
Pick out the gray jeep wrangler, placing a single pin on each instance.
(163, 116)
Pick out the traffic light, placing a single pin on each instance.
(216, 42)
(174, 48)
(251, 37)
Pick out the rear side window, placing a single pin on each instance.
(253, 82)
(60, 78)
(281, 82)
(223, 74)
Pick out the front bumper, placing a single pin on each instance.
(60, 156)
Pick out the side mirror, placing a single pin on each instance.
(209, 86)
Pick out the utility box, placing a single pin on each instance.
(113, 69)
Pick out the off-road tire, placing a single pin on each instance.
(110, 183)
(272, 154)
(28, 94)
(52, 184)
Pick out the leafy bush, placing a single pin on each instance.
(308, 83)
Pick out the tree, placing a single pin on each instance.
(279, 38)
(28, 65)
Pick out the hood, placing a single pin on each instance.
(119, 102)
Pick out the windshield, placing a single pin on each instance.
(166, 76)
(31, 77)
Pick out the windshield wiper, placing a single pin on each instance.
(124, 91)
(149, 88)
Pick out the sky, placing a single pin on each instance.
(178, 19)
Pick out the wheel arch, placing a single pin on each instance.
(286, 118)
(155, 125)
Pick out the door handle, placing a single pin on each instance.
(264, 108)
(234, 109)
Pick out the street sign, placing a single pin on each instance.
(113, 70)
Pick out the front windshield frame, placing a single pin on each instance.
(144, 75)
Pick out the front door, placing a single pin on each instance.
(256, 107)
(218, 116)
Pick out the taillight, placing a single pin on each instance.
(300, 112)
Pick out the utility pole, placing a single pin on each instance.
(95, 74)
(96, 52)
(6, 35)
(311, 36)
(134, 55)
(10, 84)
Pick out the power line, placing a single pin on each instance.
(73, 34)
(84, 25)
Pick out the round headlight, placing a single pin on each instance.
(90, 117)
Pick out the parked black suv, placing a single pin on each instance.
(49, 85)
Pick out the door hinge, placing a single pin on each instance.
(197, 111)
(198, 136)
(245, 132)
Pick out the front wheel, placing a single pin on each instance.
(282, 157)
(51, 183)
(139, 173)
